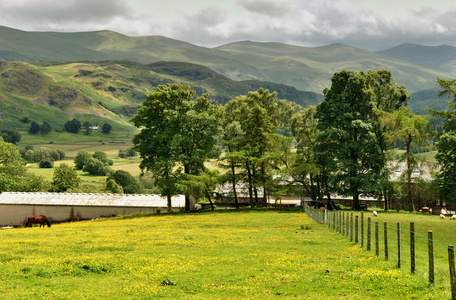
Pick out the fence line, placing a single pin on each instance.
(426, 258)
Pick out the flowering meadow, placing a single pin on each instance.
(250, 254)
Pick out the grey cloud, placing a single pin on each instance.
(266, 7)
(209, 16)
(63, 12)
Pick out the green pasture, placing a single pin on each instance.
(219, 255)
(442, 237)
(64, 141)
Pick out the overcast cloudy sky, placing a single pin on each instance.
(368, 24)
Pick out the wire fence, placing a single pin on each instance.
(397, 243)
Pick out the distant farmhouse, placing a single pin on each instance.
(15, 208)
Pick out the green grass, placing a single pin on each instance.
(222, 255)
(443, 236)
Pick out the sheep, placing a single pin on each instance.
(453, 217)
(442, 216)
(375, 213)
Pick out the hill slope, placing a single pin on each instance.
(109, 91)
(308, 69)
(441, 58)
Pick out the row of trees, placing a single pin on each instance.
(341, 146)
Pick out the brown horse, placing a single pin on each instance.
(38, 219)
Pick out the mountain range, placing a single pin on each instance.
(104, 74)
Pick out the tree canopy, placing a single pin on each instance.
(179, 133)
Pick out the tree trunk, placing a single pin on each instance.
(255, 191)
(233, 180)
(249, 178)
(208, 196)
(170, 204)
(187, 196)
(409, 176)
(356, 204)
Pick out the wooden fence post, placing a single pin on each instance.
(356, 229)
(343, 223)
(337, 221)
(385, 235)
(377, 249)
(351, 227)
(347, 231)
(412, 247)
(398, 245)
(431, 256)
(369, 234)
(340, 222)
(452, 272)
(362, 229)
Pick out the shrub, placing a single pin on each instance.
(96, 167)
(46, 163)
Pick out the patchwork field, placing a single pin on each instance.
(224, 255)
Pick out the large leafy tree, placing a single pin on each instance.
(13, 173)
(347, 146)
(178, 134)
(410, 128)
(250, 123)
(64, 178)
(446, 147)
(11, 136)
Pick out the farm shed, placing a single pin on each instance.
(16, 207)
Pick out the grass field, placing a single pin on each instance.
(442, 236)
(220, 255)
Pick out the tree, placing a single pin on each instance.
(72, 126)
(407, 126)
(113, 187)
(11, 136)
(34, 128)
(126, 181)
(347, 136)
(103, 157)
(202, 186)
(258, 117)
(46, 163)
(178, 135)
(106, 128)
(81, 159)
(300, 165)
(96, 167)
(45, 128)
(445, 180)
(14, 176)
(65, 177)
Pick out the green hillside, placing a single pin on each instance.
(441, 58)
(311, 69)
(306, 69)
(109, 91)
(428, 98)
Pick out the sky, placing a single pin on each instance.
(368, 24)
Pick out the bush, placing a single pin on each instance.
(46, 163)
(96, 167)
(106, 128)
(122, 153)
(72, 126)
(81, 159)
(126, 181)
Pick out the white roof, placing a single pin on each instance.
(86, 199)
